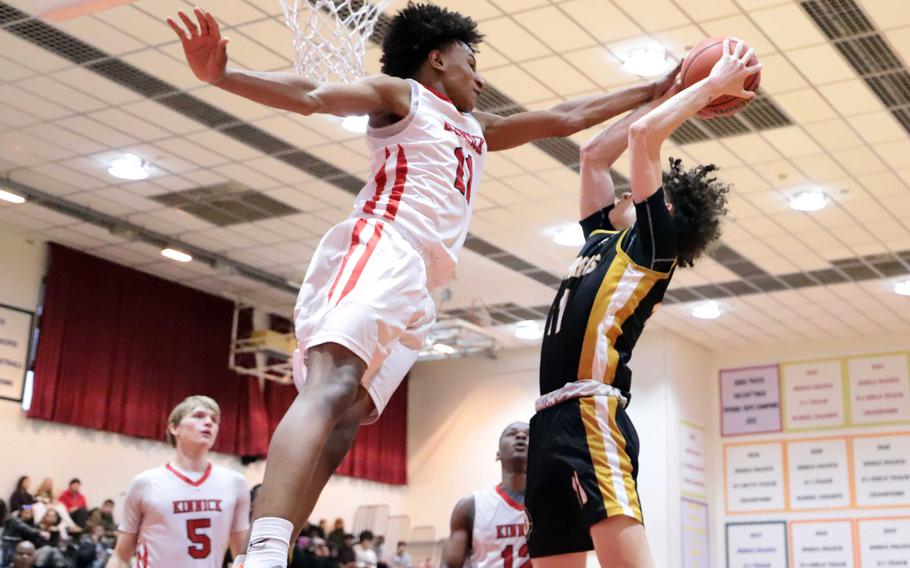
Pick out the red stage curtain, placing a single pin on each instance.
(118, 348)
(380, 450)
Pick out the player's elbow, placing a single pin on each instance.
(642, 136)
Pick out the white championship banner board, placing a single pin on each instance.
(15, 331)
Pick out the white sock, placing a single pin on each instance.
(270, 541)
(239, 561)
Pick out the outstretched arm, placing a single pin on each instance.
(647, 134)
(566, 118)
(597, 157)
(206, 53)
(458, 547)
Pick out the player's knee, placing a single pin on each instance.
(336, 393)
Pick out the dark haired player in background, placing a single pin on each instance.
(583, 461)
(364, 308)
(488, 528)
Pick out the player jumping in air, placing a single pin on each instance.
(583, 460)
(488, 528)
(186, 513)
(364, 308)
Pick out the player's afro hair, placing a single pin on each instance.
(417, 30)
(699, 201)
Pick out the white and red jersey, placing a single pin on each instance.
(498, 539)
(426, 170)
(181, 521)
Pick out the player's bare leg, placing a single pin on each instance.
(572, 560)
(339, 441)
(621, 542)
(333, 380)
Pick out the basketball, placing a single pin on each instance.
(698, 64)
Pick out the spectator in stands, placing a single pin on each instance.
(336, 537)
(21, 496)
(346, 553)
(103, 517)
(93, 550)
(52, 524)
(45, 492)
(377, 547)
(3, 511)
(21, 526)
(322, 527)
(74, 501)
(363, 551)
(45, 501)
(24, 556)
(401, 559)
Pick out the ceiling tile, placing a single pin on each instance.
(821, 64)
(805, 106)
(555, 29)
(787, 26)
(609, 25)
(850, 97)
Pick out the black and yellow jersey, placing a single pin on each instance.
(606, 296)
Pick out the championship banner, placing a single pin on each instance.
(15, 335)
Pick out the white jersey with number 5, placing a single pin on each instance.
(181, 521)
(426, 168)
(498, 539)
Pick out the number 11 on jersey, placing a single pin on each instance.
(463, 182)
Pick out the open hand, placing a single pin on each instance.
(205, 49)
(731, 70)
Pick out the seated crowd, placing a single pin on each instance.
(47, 531)
(55, 531)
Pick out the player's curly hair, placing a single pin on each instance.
(699, 201)
(417, 30)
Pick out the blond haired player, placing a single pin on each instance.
(185, 512)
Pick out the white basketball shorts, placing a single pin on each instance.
(365, 289)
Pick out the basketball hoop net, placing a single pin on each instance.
(330, 36)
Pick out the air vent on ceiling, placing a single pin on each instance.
(226, 204)
(499, 314)
(131, 77)
(54, 40)
(866, 50)
(838, 18)
(9, 14)
(724, 126)
(763, 114)
(689, 133)
(893, 88)
(348, 183)
(257, 138)
(868, 54)
(191, 107)
(493, 100)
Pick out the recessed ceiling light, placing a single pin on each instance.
(706, 310)
(812, 200)
(356, 123)
(11, 197)
(529, 330)
(902, 287)
(129, 167)
(569, 236)
(646, 61)
(175, 254)
(443, 348)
